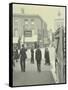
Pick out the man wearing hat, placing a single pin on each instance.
(38, 56)
(22, 58)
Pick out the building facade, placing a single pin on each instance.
(31, 30)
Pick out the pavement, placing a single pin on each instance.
(31, 76)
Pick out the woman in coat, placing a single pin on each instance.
(47, 57)
(32, 56)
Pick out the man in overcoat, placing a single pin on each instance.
(23, 57)
(38, 57)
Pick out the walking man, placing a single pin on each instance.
(23, 58)
(38, 56)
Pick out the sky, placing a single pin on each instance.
(47, 13)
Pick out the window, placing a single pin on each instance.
(15, 30)
(15, 33)
(32, 21)
(26, 21)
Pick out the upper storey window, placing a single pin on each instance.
(32, 21)
(26, 21)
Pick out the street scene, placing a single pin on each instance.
(38, 45)
(31, 72)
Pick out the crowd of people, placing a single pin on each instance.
(38, 57)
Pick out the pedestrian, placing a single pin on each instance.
(23, 57)
(38, 57)
(32, 56)
(47, 57)
(16, 55)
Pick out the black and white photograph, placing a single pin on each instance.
(37, 41)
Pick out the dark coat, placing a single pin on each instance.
(15, 54)
(32, 55)
(47, 56)
(23, 54)
(38, 55)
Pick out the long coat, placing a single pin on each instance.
(47, 56)
(23, 54)
(38, 55)
(32, 55)
(15, 54)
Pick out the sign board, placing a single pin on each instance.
(27, 33)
